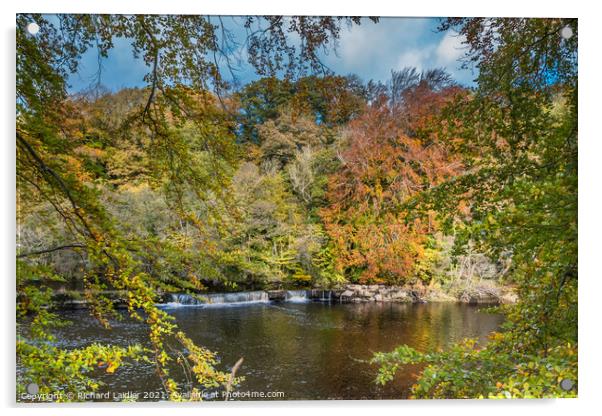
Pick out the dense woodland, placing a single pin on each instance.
(307, 189)
(302, 178)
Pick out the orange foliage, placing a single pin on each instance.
(373, 238)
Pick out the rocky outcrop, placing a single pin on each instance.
(419, 293)
(478, 297)
(379, 293)
(487, 295)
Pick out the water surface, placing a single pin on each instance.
(307, 350)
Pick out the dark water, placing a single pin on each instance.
(305, 350)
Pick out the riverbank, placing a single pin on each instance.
(350, 293)
(355, 293)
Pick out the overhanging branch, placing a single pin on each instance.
(51, 250)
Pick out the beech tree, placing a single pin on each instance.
(382, 167)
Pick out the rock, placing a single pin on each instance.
(477, 296)
(277, 295)
(418, 289)
(336, 294)
(418, 293)
(75, 304)
(509, 298)
(414, 295)
(439, 296)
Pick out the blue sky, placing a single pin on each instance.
(369, 50)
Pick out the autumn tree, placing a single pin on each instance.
(330, 100)
(189, 138)
(520, 189)
(382, 167)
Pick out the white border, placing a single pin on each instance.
(590, 180)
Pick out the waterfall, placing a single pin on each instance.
(326, 296)
(297, 296)
(219, 299)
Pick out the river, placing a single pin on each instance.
(294, 350)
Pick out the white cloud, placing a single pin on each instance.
(372, 50)
(419, 58)
(377, 39)
(451, 48)
(444, 54)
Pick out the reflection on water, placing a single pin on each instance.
(306, 350)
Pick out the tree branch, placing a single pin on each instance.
(51, 250)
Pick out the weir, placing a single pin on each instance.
(326, 296)
(217, 299)
(296, 296)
